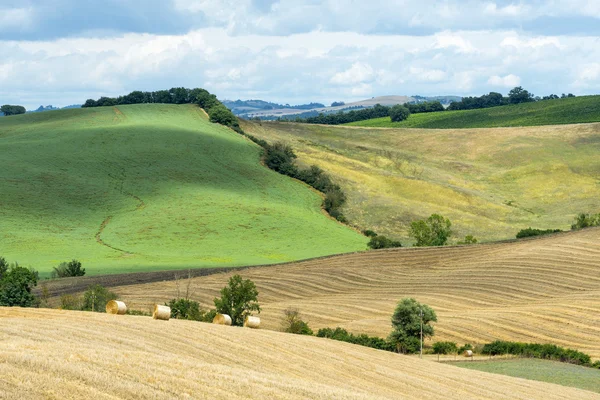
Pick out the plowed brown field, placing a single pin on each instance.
(51, 354)
(540, 290)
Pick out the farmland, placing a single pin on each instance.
(150, 187)
(66, 354)
(576, 110)
(544, 290)
(490, 183)
(541, 370)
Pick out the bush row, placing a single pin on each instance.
(529, 232)
(364, 340)
(542, 351)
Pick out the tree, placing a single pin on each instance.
(445, 348)
(89, 103)
(382, 242)
(434, 231)
(222, 115)
(585, 221)
(399, 113)
(96, 297)
(64, 270)
(186, 309)
(519, 95)
(238, 299)
(16, 284)
(12, 110)
(406, 325)
(293, 323)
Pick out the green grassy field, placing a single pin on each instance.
(541, 370)
(149, 187)
(491, 183)
(550, 112)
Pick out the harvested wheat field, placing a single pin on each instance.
(50, 354)
(539, 290)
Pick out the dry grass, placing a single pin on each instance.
(491, 183)
(540, 290)
(75, 355)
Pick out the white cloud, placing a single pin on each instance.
(357, 73)
(508, 81)
(511, 10)
(427, 75)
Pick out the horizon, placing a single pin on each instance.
(295, 52)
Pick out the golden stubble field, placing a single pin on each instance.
(540, 290)
(52, 354)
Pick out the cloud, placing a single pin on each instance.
(18, 19)
(357, 73)
(508, 81)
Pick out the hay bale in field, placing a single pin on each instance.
(468, 353)
(222, 319)
(252, 322)
(116, 307)
(161, 312)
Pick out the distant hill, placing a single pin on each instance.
(52, 108)
(570, 110)
(245, 107)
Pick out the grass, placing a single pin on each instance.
(541, 370)
(490, 183)
(150, 187)
(542, 290)
(550, 112)
(54, 354)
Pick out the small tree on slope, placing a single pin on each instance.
(406, 324)
(238, 299)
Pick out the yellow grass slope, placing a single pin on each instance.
(490, 183)
(540, 290)
(73, 355)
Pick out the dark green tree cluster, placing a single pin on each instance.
(280, 157)
(406, 324)
(536, 350)
(68, 269)
(16, 284)
(378, 111)
(7, 110)
(399, 113)
(586, 221)
(425, 107)
(238, 300)
(380, 241)
(362, 339)
(529, 232)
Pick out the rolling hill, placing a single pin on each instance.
(66, 354)
(539, 290)
(490, 183)
(150, 187)
(583, 109)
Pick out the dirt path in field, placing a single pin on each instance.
(141, 205)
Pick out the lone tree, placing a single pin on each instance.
(399, 113)
(520, 95)
(406, 325)
(238, 299)
(434, 231)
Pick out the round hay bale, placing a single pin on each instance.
(252, 322)
(468, 353)
(116, 307)
(222, 319)
(161, 312)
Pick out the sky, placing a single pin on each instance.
(62, 52)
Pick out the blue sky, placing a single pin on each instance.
(62, 52)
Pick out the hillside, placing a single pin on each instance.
(548, 112)
(540, 290)
(491, 183)
(107, 357)
(150, 187)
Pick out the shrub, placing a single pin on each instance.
(186, 309)
(536, 350)
(469, 239)
(466, 347)
(280, 157)
(535, 232)
(293, 323)
(65, 270)
(238, 299)
(585, 221)
(70, 302)
(445, 348)
(399, 113)
(382, 242)
(362, 339)
(222, 115)
(369, 233)
(96, 297)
